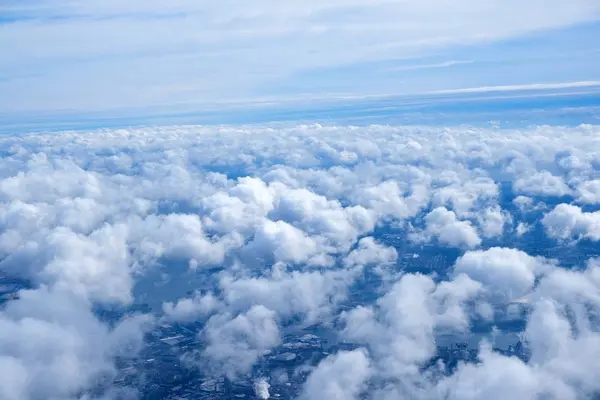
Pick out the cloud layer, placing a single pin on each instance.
(250, 236)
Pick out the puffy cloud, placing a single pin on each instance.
(312, 295)
(523, 203)
(522, 229)
(94, 266)
(589, 192)
(497, 377)
(492, 221)
(178, 237)
(508, 274)
(52, 346)
(562, 357)
(283, 242)
(234, 343)
(388, 201)
(327, 218)
(276, 228)
(190, 309)
(567, 221)
(568, 287)
(400, 334)
(261, 389)
(370, 252)
(449, 230)
(542, 184)
(464, 197)
(400, 330)
(340, 377)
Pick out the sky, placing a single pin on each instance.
(100, 60)
(369, 181)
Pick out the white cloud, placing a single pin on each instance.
(261, 389)
(190, 309)
(443, 225)
(233, 344)
(312, 295)
(492, 221)
(399, 333)
(400, 330)
(496, 378)
(589, 192)
(52, 346)
(522, 229)
(370, 252)
(339, 377)
(566, 221)
(508, 274)
(542, 184)
(285, 227)
(464, 197)
(562, 357)
(531, 86)
(283, 242)
(95, 266)
(524, 203)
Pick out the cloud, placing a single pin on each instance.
(261, 389)
(530, 86)
(589, 192)
(234, 343)
(311, 295)
(542, 184)
(341, 376)
(444, 64)
(522, 229)
(508, 274)
(190, 309)
(247, 235)
(443, 224)
(52, 346)
(567, 221)
(370, 252)
(400, 334)
(400, 330)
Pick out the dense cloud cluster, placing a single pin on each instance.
(256, 232)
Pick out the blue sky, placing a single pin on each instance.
(100, 60)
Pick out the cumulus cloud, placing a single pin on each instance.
(449, 230)
(282, 230)
(54, 347)
(261, 389)
(567, 221)
(234, 343)
(400, 334)
(522, 229)
(589, 192)
(508, 274)
(340, 377)
(542, 183)
(400, 330)
(190, 309)
(370, 252)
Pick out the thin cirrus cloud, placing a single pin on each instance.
(100, 55)
(516, 88)
(444, 64)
